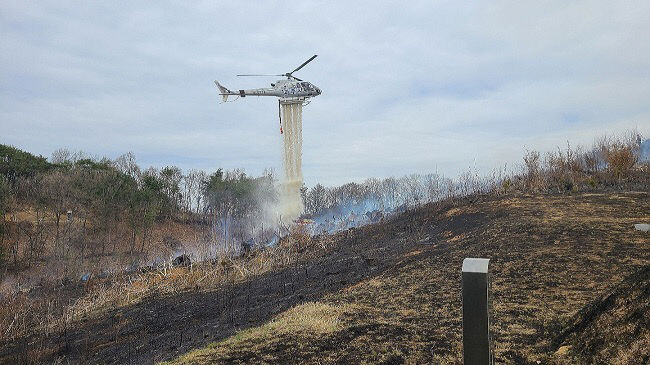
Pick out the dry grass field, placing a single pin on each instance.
(567, 286)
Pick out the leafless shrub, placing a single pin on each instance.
(621, 154)
(533, 174)
(563, 169)
(611, 162)
(620, 159)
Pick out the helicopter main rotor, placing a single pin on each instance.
(289, 75)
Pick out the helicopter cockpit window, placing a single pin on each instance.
(306, 86)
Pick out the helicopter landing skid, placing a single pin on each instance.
(300, 100)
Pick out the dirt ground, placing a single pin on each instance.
(392, 291)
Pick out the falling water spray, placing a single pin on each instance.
(291, 119)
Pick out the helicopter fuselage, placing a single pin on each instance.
(280, 89)
(284, 89)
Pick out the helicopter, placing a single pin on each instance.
(292, 87)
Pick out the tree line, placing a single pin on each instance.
(73, 205)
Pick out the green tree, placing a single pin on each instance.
(145, 207)
(111, 192)
(15, 163)
(229, 198)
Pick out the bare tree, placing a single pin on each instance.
(61, 156)
(58, 196)
(190, 189)
(126, 164)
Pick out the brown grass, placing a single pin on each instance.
(24, 314)
(307, 320)
(551, 255)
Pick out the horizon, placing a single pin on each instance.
(504, 169)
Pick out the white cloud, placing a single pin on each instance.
(407, 87)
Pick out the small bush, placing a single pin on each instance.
(507, 183)
(533, 171)
(592, 182)
(613, 161)
(621, 159)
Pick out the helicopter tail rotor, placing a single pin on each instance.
(223, 91)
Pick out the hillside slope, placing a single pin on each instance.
(387, 293)
(550, 256)
(613, 328)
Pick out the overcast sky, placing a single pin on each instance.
(408, 86)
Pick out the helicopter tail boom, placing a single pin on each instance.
(223, 91)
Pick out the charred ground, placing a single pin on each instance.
(390, 293)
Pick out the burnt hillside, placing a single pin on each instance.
(388, 292)
(614, 326)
